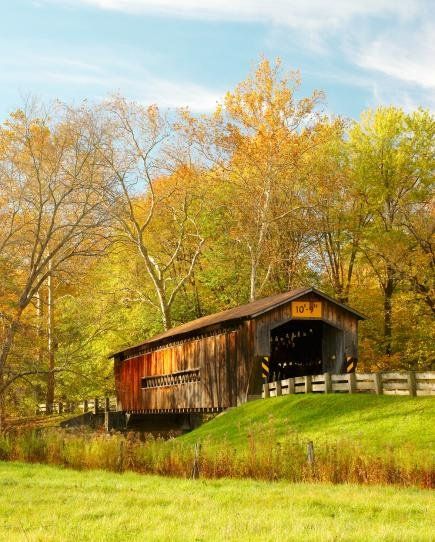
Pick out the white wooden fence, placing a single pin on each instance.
(397, 383)
(95, 405)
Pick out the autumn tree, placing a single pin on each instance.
(338, 212)
(155, 198)
(51, 187)
(254, 142)
(418, 221)
(392, 161)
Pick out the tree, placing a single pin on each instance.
(51, 187)
(392, 160)
(339, 213)
(153, 183)
(255, 143)
(419, 267)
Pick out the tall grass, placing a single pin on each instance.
(263, 458)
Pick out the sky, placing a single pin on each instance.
(176, 53)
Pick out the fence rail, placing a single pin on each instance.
(96, 405)
(398, 383)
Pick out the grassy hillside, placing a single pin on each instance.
(377, 423)
(41, 503)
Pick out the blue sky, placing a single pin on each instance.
(189, 52)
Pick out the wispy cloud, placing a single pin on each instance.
(308, 14)
(387, 92)
(383, 48)
(105, 76)
(406, 52)
(410, 59)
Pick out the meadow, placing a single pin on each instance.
(40, 503)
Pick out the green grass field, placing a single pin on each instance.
(377, 423)
(48, 504)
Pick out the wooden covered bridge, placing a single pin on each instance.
(219, 360)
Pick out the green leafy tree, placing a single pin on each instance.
(391, 155)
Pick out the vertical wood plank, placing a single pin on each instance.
(291, 385)
(266, 390)
(278, 388)
(328, 382)
(352, 382)
(412, 386)
(377, 381)
(308, 384)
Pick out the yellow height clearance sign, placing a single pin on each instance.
(306, 309)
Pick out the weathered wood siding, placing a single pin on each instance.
(229, 363)
(216, 358)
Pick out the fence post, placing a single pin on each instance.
(96, 405)
(85, 405)
(278, 388)
(291, 385)
(310, 452)
(328, 382)
(107, 404)
(60, 407)
(377, 380)
(412, 384)
(195, 467)
(308, 384)
(266, 390)
(120, 459)
(352, 382)
(106, 421)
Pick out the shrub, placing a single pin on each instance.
(5, 448)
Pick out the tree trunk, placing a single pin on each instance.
(9, 340)
(342, 298)
(4, 354)
(166, 318)
(40, 327)
(2, 405)
(165, 309)
(388, 307)
(253, 281)
(51, 347)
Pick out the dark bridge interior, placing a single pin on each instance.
(302, 347)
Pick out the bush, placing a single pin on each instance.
(5, 448)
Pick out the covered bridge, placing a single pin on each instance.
(217, 361)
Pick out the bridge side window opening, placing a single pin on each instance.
(170, 379)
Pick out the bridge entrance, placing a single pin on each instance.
(304, 347)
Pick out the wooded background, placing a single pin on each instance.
(118, 220)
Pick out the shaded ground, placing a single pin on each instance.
(36, 422)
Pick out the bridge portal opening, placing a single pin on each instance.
(304, 347)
